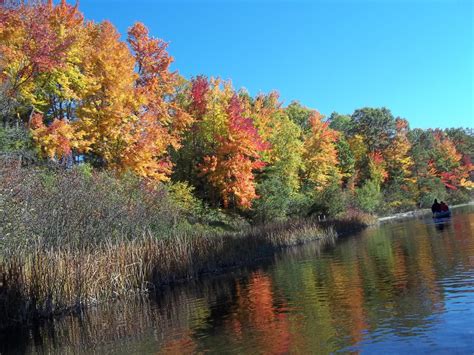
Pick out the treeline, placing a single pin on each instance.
(73, 92)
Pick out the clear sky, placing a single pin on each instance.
(414, 57)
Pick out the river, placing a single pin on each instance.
(404, 286)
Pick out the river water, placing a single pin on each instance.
(405, 286)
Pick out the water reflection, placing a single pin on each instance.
(406, 285)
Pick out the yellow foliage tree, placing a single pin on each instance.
(320, 153)
(397, 154)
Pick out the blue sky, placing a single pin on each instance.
(414, 57)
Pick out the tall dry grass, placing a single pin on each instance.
(71, 239)
(44, 282)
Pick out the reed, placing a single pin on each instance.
(67, 242)
(45, 282)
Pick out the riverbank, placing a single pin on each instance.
(48, 282)
(416, 213)
(73, 238)
(209, 313)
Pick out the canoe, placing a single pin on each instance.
(443, 214)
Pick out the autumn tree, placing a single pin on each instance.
(115, 103)
(375, 125)
(222, 149)
(397, 154)
(463, 140)
(299, 114)
(400, 187)
(284, 153)
(428, 185)
(263, 112)
(193, 98)
(439, 167)
(206, 100)
(320, 153)
(41, 78)
(56, 140)
(18, 3)
(40, 49)
(231, 168)
(280, 183)
(159, 121)
(448, 164)
(105, 112)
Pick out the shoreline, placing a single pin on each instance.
(416, 213)
(47, 284)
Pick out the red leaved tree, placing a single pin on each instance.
(238, 155)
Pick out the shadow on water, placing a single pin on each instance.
(441, 223)
(403, 286)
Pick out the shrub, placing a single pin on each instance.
(398, 197)
(273, 202)
(459, 196)
(182, 194)
(75, 207)
(431, 188)
(16, 144)
(369, 196)
(300, 204)
(331, 201)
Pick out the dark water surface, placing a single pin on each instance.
(406, 286)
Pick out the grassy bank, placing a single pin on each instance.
(43, 282)
(69, 240)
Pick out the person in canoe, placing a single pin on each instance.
(444, 207)
(436, 207)
(440, 210)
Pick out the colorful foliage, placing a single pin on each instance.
(397, 154)
(82, 90)
(320, 153)
(448, 164)
(55, 140)
(159, 120)
(231, 168)
(377, 168)
(110, 101)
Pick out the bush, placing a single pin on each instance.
(430, 189)
(182, 194)
(300, 204)
(459, 196)
(274, 200)
(13, 139)
(85, 169)
(16, 144)
(74, 207)
(331, 201)
(369, 196)
(398, 197)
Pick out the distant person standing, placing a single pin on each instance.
(436, 207)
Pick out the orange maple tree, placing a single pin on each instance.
(448, 164)
(160, 120)
(238, 154)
